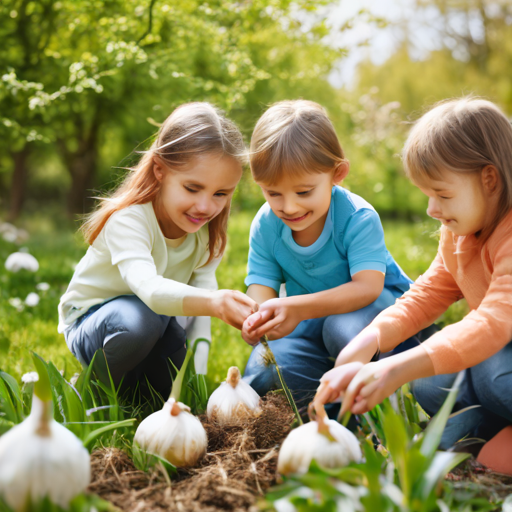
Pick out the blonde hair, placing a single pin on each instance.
(294, 137)
(462, 136)
(193, 129)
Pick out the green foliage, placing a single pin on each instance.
(81, 503)
(91, 410)
(79, 78)
(403, 475)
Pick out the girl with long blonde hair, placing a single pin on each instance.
(155, 244)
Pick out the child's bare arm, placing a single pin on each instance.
(365, 287)
(278, 317)
(260, 293)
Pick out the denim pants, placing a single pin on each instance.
(487, 385)
(137, 342)
(311, 350)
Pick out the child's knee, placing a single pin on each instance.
(429, 394)
(337, 333)
(493, 389)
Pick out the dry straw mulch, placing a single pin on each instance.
(239, 466)
(477, 478)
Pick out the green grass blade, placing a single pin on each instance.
(99, 431)
(442, 463)
(7, 407)
(69, 403)
(13, 386)
(286, 389)
(396, 442)
(434, 430)
(178, 381)
(42, 387)
(5, 425)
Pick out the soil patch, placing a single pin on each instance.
(478, 480)
(239, 466)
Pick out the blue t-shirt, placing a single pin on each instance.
(352, 240)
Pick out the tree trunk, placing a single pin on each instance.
(82, 167)
(82, 162)
(18, 183)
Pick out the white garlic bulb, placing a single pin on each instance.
(326, 441)
(21, 260)
(233, 401)
(40, 457)
(173, 434)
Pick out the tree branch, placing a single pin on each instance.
(150, 24)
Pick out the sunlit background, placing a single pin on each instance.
(84, 83)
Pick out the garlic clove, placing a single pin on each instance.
(174, 434)
(233, 401)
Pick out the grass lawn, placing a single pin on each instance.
(58, 249)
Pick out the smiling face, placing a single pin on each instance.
(459, 201)
(196, 193)
(302, 201)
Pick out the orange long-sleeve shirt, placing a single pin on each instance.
(463, 267)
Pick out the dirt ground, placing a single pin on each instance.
(240, 464)
(473, 477)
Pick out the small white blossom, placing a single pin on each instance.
(17, 303)
(21, 260)
(30, 377)
(43, 287)
(32, 299)
(10, 236)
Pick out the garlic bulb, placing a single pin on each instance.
(326, 441)
(233, 401)
(21, 260)
(38, 458)
(173, 434)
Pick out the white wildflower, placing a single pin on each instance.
(30, 377)
(21, 260)
(43, 287)
(17, 304)
(32, 299)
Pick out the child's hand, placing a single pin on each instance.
(275, 318)
(372, 383)
(334, 382)
(232, 306)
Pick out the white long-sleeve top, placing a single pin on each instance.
(132, 256)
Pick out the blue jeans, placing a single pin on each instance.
(487, 385)
(137, 342)
(311, 350)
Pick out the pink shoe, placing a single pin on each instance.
(496, 454)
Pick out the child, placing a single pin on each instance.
(154, 248)
(460, 155)
(325, 243)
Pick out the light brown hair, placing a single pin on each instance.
(193, 129)
(294, 137)
(462, 136)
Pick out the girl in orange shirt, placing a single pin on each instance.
(460, 155)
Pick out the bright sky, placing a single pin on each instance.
(381, 41)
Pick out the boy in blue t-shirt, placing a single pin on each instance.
(325, 244)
